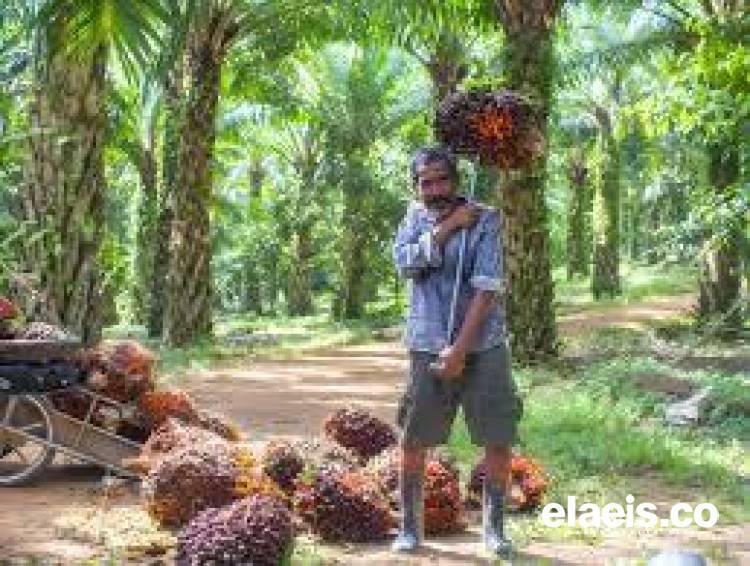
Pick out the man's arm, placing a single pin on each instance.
(486, 278)
(415, 249)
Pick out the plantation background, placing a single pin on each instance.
(222, 179)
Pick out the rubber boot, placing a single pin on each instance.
(411, 532)
(493, 501)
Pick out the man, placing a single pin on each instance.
(470, 365)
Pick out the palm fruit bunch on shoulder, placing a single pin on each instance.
(255, 530)
(188, 480)
(43, 331)
(385, 468)
(342, 506)
(122, 371)
(361, 432)
(443, 506)
(9, 319)
(528, 484)
(318, 453)
(282, 463)
(500, 128)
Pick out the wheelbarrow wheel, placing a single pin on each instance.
(25, 426)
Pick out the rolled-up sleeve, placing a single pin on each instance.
(487, 271)
(415, 250)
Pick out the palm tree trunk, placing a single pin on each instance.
(721, 265)
(299, 290)
(189, 294)
(447, 65)
(530, 62)
(173, 104)
(64, 189)
(579, 218)
(606, 276)
(147, 227)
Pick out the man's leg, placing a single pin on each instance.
(411, 479)
(497, 459)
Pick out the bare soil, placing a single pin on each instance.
(273, 398)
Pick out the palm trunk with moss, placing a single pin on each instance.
(65, 186)
(530, 65)
(606, 276)
(579, 217)
(188, 314)
(720, 279)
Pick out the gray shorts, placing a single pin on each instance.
(486, 391)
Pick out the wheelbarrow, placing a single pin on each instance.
(33, 430)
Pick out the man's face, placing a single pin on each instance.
(434, 185)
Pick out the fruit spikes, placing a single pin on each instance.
(359, 431)
(498, 128)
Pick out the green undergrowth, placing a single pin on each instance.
(639, 282)
(600, 435)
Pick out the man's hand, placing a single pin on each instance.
(451, 363)
(462, 216)
(454, 219)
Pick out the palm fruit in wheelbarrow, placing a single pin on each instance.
(527, 486)
(361, 432)
(343, 506)
(156, 407)
(500, 128)
(256, 530)
(122, 371)
(9, 319)
(282, 463)
(443, 506)
(44, 331)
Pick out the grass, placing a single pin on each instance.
(639, 282)
(598, 435)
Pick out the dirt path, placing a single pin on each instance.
(290, 398)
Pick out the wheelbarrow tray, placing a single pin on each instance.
(19, 351)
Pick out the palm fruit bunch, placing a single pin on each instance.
(122, 371)
(8, 319)
(448, 461)
(385, 468)
(159, 406)
(317, 453)
(171, 435)
(255, 530)
(188, 480)
(218, 424)
(282, 463)
(343, 506)
(443, 507)
(43, 331)
(251, 479)
(528, 484)
(361, 432)
(500, 128)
